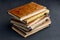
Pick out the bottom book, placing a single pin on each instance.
(46, 24)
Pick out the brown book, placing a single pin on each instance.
(26, 11)
(46, 24)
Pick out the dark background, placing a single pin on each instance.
(50, 33)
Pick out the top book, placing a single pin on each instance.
(26, 11)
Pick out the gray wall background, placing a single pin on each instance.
(50, 33)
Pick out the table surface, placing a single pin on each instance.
(50, 33)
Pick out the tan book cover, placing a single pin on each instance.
(27, 10)
(46, 24)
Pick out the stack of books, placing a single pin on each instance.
(29, 18)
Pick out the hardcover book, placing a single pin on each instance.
(26, 11)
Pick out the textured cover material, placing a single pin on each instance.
(27, 10)
(33, 31)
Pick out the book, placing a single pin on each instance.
(26, 11)
(46, 24)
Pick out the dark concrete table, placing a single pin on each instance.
(50, 33)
